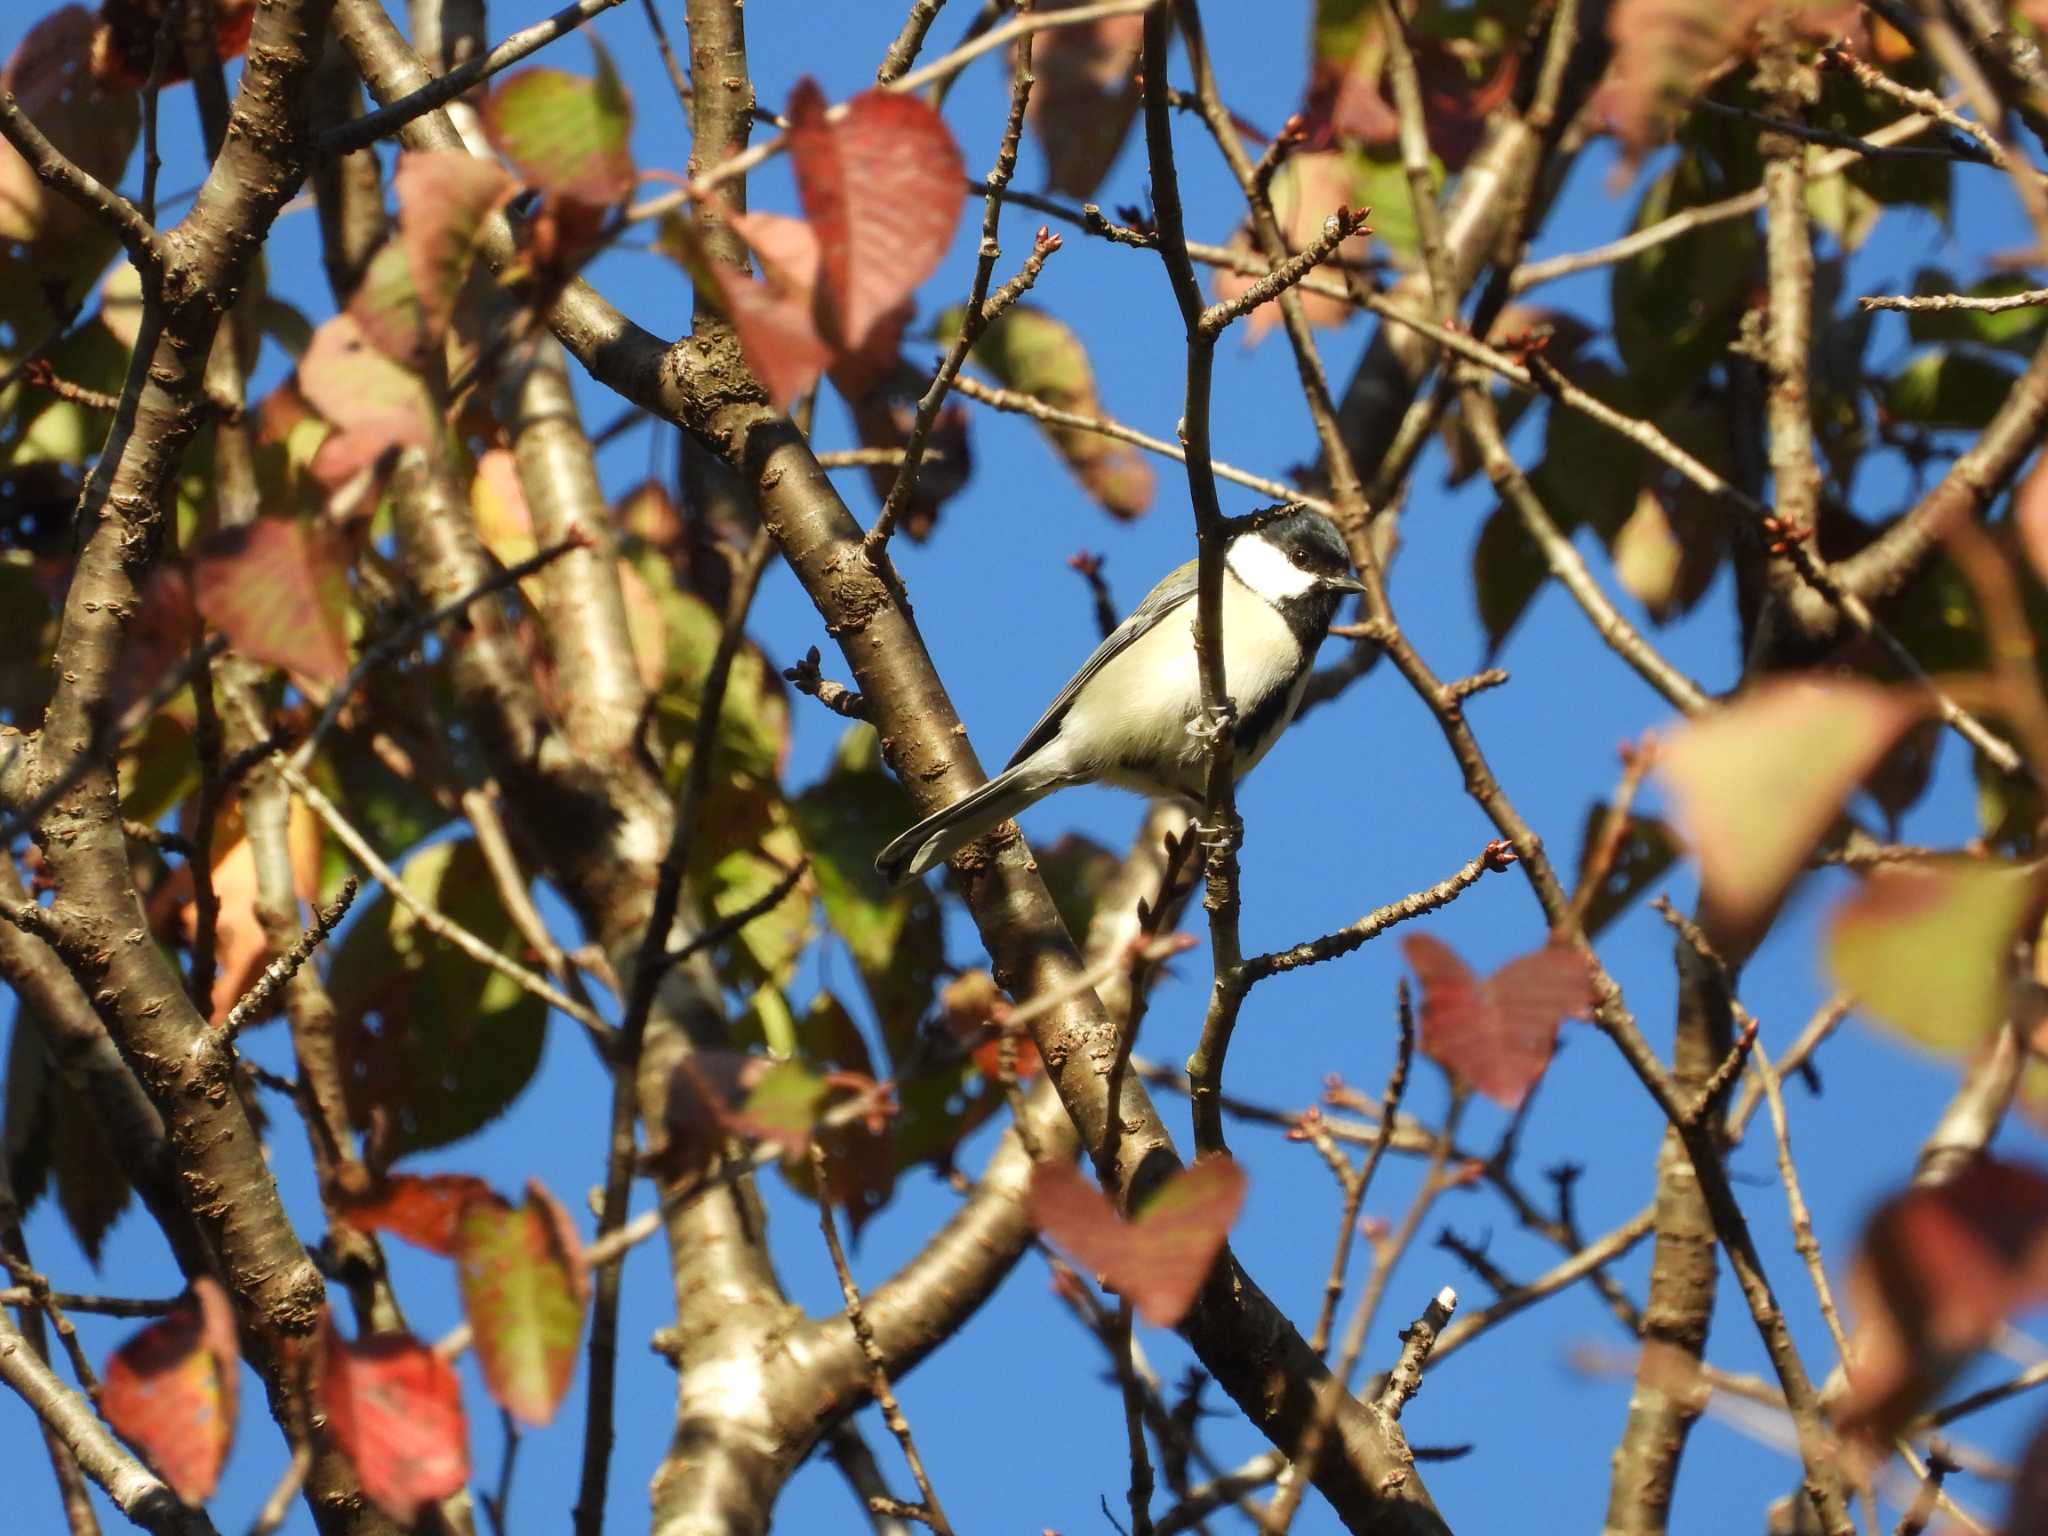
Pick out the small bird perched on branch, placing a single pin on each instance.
(1129, 717)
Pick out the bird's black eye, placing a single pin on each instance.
(1300, 558)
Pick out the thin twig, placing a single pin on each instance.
(406, 636)
(362, 132)
(432, 918)
(1418, 1343)
(1983, 304)
(981, 310)
(1496, 856)
(256, 1001)
(878, 1373)
(143, 242)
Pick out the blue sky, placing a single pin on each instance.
(1359, 805)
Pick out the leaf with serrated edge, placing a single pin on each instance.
(1757, 781)
(170, 1391)
(1924, 948)
(883, 187)
(567, 135)
(1160, 1259)
(523, 1293)
(395, 1409)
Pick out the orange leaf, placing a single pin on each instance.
(421, 1208)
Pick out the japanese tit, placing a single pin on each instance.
(1125, 717)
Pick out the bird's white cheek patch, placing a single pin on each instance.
(1262, 567)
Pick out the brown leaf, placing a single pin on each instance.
(1085, 96)
(882, 187)
(48, 76)
(883, 417)
(421, 1208)
(170, 1391)
(1497, 1034)
(395, 1409)
(1940, 1269)
(1160, 1259)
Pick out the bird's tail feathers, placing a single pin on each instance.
(939, 836)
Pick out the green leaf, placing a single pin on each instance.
(894, 933)
(1925, 949)
(1648, 848)
(1677, 304)
(2014, 330)
(1945, 387)
(753, 726)
(1076, 870)
(1507, 573)
(434, 1045)
(1030, 351)
(524, 1293)
(567, 135)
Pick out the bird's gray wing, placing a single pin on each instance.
(1175, 588)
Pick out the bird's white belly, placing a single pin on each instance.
(1134, 713)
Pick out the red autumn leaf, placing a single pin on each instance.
(124, 43)
(363, 391)
(1160, 1259)
(1941, 1267)
(1085, 98)
(421, 1208)
(395, 1409)
(444, 196)
(49, 79)
(170, 1391)
(524, 1292)
(882, 186)
(1497, 1034)
(276, 588)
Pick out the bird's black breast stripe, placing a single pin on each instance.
(1265, 717)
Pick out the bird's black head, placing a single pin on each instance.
(1312, 544)
(1295, 561)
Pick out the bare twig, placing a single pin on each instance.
(364, 131)
(878, 1374)
(1937, 303)
(256, 1001)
